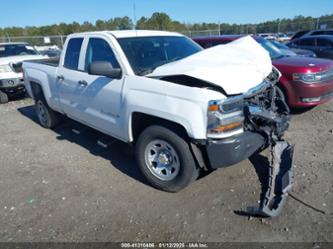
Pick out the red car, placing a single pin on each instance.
(305, 82)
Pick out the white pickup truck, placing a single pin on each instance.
(12, 54)
(183, 108)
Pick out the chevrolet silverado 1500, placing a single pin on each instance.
(184, 109)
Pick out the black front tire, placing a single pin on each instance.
(46, 116)
(3, 98)
(188, 171)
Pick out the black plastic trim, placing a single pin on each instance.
(226, 152)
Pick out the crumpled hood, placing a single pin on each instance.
(236, 67)
(20, 58)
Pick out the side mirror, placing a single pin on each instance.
(104, 68)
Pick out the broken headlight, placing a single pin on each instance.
(225, 117)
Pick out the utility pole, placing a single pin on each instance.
(317, 26)
(134, 16)
(8, 37)
(62, 41)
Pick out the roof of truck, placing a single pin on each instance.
(140, 33)
(132, 33)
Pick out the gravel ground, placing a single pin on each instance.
(58, 186)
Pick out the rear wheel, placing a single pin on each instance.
(46, 116)
(3, 97)
(165, 159)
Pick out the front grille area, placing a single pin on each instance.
(11, 82)
(262, 99)
(267, 112)
(17, 67)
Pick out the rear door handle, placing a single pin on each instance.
(60, 77)
(82, 82)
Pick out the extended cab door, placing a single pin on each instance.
(69, 72)
(95, 100)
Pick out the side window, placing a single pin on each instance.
(307, 42)
(73, 53)
(318, 33)
(99, 50)
(323, 42)
(323, 32)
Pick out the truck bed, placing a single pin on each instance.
(54, 62)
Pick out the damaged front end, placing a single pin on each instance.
(244, 125)
(267, 113)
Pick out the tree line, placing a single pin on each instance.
(162, 21)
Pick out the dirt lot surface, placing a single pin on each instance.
(58, 186)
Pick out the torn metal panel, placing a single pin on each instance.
(236, 67)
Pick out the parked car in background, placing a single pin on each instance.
(305, 81)
(11, 57)
(50, 51)
(268, 36)
(281, 37)
(299, 34)
(321, 45)
(308, 33)
(293, 51)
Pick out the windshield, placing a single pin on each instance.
(16, 49)
(274, 51)
(147, 53)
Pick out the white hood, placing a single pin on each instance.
(236, 67)
(20, 58)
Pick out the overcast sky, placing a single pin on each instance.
(44, 12)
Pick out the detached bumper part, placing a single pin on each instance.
(280, 178)
(280, 181)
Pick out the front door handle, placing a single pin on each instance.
(82, 82)
(60, 77)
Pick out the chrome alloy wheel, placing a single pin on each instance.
(162, 160)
